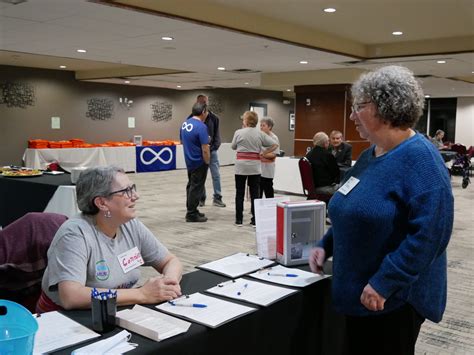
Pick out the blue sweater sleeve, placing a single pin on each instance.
(429, 225)
(327, 243)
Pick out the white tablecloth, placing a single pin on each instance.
(225, 152)
(68, 158)
(63, 201)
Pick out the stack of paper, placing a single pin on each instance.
(57, 331)
(288, 276)
(236, 265)
(151, 324)
(251, 291)
(117, 344)
(205, 310)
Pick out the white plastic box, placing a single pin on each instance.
(300, 225)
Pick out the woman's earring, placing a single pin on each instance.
(107, 214)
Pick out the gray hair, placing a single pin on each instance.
(92, 183)
(320, 139)
(438, 132)
(268, 121)
(198, 108)
(395, 92)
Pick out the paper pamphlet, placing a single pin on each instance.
(251, 291)
(215, 313)
(57, 331)
(236, 265)
(286, 276)
(117, 344)
(265, 233)
(151, 324)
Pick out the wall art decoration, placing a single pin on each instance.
(17, 94)
(216, 105)
(100, 108)
(161, 111)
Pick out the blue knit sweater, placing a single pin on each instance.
(391, 231)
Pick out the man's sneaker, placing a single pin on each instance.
(202, 203)
(196, 218)
(252, 222)
(238, 222)
(200, 214)
(218, 203)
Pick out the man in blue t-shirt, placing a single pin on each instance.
(195, 140)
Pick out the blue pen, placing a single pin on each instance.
(243, 289)
(194, 305)
(284, 275)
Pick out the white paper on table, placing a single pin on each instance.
(57, 331)
(236, 265)
(251, 291)
(215, 314)
(151, 324)
(265, 233)
(303, 279)
(117, 344)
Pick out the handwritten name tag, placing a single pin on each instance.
(349, 185)
(130, 260)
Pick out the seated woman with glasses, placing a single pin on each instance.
(103, 248)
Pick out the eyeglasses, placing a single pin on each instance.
(129, 191)
(359, 106)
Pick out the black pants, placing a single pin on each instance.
(254, 187)
(266, 185)
(392, 333)
(195, 189)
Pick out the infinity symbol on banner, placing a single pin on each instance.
(157, 156)
(187, 126)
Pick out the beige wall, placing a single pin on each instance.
(59, 94)
(465, 121)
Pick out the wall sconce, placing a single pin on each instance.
(124, 102)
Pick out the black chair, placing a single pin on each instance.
(306, 172)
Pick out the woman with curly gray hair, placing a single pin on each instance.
(391, 221)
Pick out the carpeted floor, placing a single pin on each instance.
(162, 208)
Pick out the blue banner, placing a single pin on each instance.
(155, 158)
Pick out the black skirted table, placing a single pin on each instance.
(302, 323)
(19, 196)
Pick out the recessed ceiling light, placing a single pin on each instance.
(167, 38)
(81, 50)
(62, 66)
(427, 96)
(127, 81)
(178, 86)
(397, 33)
(220, 68)
(246, 83)
(288, 89)
(472, 72)
(303, 62)
(329, 9)
(441, 61)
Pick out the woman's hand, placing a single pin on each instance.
(158, 289)
(316, 260)
(371, 299)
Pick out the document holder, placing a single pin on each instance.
(300, 225)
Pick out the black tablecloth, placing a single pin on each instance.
(19, 196)
(302, 323)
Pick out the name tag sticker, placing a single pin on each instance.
(349, 185)
(130, 260)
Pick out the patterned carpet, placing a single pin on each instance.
(162, 209)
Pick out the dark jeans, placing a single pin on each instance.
(195, 189)
(392, 333)
(254, 186)
(266, 185)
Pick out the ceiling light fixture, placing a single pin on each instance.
(397, 33)
(220, 68)
(329, 10)
(178, 86)
(427, 96)
(127, 81)
(288, 89)
(441, 61)
(167, 38)
(82, 51)
(62, 66)
(246, 83)
(303, 62)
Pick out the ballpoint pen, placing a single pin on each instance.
(194, 305)
(243, 289)
(278, 274)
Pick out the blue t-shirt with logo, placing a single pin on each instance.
(193, 135)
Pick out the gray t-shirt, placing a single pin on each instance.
(268, 167)
(80, 252)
